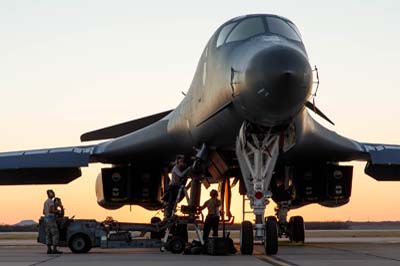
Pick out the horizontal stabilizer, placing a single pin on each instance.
(384, 164)
(119, 130)
(47, 166)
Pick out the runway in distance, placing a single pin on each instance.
(245, 117)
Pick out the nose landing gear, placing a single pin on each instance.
(271, 236)
(257, 150)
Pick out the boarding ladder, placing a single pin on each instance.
(245, 205)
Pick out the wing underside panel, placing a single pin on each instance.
(37, 176)
(384, 163)
(47, 166)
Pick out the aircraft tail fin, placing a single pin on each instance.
(123, 128)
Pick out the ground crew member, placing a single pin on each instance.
(58, 208)
(212, 219)
(51, 229)
(179, 174)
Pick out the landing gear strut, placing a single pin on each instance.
(294, 229)
(257, 150)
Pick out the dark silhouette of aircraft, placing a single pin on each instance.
(244, 117)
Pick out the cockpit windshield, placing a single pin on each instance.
(224, 33)
(281, 27)
(247, 27)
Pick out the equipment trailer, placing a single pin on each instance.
(83, 235)
(168, 234)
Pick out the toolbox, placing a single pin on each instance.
(218, 246)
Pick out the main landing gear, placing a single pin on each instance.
(257, 150)
(294, 229)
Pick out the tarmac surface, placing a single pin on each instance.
(317, 251)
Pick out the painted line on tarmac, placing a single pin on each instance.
(355, 252)
(275, 261)
(52, 257)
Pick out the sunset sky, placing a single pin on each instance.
(67, 67)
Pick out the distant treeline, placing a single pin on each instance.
(335, 225)
(338, 225)
(19, 228)
(327, 225)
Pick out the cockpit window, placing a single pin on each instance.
(246, 29)
(295, 28)
(281, 27)
(223, 33)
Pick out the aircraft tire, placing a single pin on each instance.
(246, 238)
(271, 237)
(296, 229)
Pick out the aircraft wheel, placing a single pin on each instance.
(271, 236)
(80, 243)
(176, 245)
(296, 229)
(246, 238)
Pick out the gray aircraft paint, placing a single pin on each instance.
(183, 128)
(223, 94)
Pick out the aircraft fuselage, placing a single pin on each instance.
(264, 79)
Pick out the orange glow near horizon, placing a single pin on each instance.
(26, 202)
(69, 67)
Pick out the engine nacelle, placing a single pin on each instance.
(127, 185)
(326, 184)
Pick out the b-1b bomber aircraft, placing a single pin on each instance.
(245, 116)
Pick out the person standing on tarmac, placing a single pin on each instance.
(212, 219)
(58, 208)
(51, 229)
(179, 174)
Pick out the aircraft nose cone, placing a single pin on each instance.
(278, 82)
